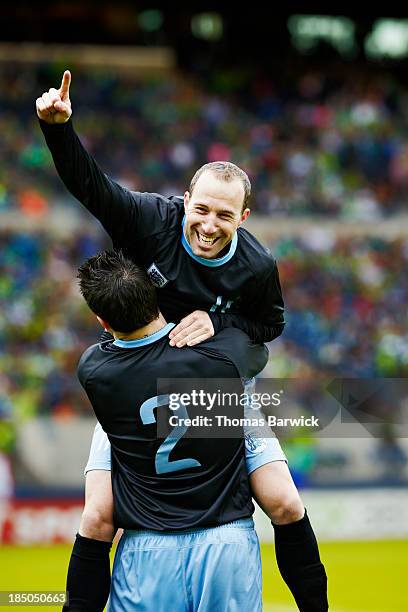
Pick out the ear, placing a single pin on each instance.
(103, 323)
(244, 216)
(186, 200)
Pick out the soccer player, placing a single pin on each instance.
(211, 274)
(196, 491)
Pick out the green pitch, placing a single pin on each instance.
(363, 576)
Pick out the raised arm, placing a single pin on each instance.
(117, 208)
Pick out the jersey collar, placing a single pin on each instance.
(147, 340)
(211, 263)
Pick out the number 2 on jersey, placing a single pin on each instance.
(162, 463)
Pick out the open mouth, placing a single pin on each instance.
(205, 241)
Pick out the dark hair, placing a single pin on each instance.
(225, 171)
(118, 291)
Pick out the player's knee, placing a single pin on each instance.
(286, 508)
(97, 523)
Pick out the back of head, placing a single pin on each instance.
(118, 291)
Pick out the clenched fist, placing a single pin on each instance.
(54, 106)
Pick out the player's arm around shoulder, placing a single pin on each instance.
(248, 357)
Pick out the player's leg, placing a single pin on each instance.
(88, 579)
(223, 568)
(274, 490)
(97, 517)
(296, 547)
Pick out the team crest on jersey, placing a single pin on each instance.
(158, 279)
(255, 445)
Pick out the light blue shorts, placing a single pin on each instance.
(205, 570)
(258, 450)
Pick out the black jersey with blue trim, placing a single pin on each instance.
(180, 481)
(240, 289)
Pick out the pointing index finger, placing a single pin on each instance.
(66, 82)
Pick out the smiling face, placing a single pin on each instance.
(213, 214)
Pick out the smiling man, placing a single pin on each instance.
(210, 274)
(215, 206)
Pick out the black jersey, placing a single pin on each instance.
(240, 289)
(179, 482)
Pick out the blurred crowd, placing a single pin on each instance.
(346, 307)
(344, 315)
(314, 145)
(45, 324)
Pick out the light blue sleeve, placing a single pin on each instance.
(261, 444)
(100, 453)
